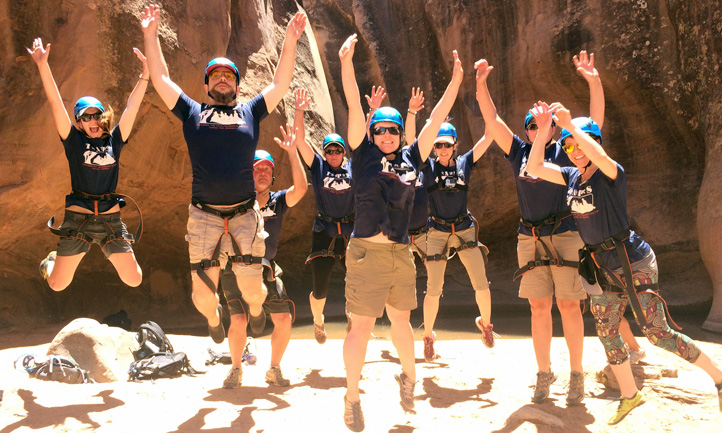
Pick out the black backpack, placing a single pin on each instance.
(54, 367)
(152, 340)
(160, 365)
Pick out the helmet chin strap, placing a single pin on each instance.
(587, 166)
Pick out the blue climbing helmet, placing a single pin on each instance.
(222, 61)
(386, 114)
(262, 155)
(84, 103)
(334, 139)
(587, 125)
(447, 133)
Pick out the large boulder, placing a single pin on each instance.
(105, 352)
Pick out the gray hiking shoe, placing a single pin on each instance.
(576, 388)
(406, 390)
(352, 415)
(636, 355)
(233, 380)
(274, 376)
(543, 381)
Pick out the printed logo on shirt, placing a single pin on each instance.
(581, 201)
(269, 210)
(214, 116)
(99, 156)
(336, 182)
(522, 168)
(403, 172)
(449, 178)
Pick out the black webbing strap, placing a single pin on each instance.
(555, 260)
(629, 289)
(109, 197)
(331, 250)
(329, 219)
(227, 213)
(473, 244)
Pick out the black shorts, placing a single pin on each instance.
(277, 301)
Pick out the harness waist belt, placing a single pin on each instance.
(329, 219)
(447, 222)
(552, 220)
(229, 213)
(418, 231)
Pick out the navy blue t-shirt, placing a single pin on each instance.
(599, 206)
(539, 199)
(273, 213)
(93, 166)
(420, 211)
(334, 195)
(384, 193)
(221, 144)
(447, 202)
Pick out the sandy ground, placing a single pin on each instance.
(470, 388)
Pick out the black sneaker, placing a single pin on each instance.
(217, 333)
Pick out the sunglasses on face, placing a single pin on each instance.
(87, 117)
(381, 130)
(228, 75)
(441, 144)
(569, 147)
(534, 126)
(334, 152)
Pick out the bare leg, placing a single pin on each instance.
(541, 331)
(127, 267)
(627, 335)
(63, 271)
(483, 301)
(623, 373)
(354, 353)
(317, 306)
(573, 325)
(280, 337)
(431, 309)
(710, 367)
(205, 300)
(402, 336)
(237, 338)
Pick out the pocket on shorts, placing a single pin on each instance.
(356, 255)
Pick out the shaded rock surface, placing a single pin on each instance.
(659, 63)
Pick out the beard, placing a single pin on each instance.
(222, 97)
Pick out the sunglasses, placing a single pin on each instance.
(569, 147)
(441, 144)
(228, 75)
(333, 152)
(534, 126)
(381, 130)
(87, 117)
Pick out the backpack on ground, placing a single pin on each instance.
(55, 368)
(151, 341)
(160, 365)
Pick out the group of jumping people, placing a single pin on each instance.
(395, 195)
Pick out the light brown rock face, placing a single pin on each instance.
(659, 63)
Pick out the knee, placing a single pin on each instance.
(540, 306)
(568, 307)
(281, 321)
(134, 279)
(57, 284)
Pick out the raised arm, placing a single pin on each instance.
(40, 56)
(127, 119)
(166, 88)
(356, 122)
(536, 165)
(441, 110)
(300, 184)
(300, 102)
(377, 97)
(592, 150)
(500, 132)
(274, 93)
(585, 67)
(482, 145)
(416, 103)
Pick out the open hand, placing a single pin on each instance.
(289, 138)
(38, 53)
(296, 26)
(416, 102)
(150, 18)
(377, 96)
(300, 99)
(585, 66)
(483, 68)
(347, 49)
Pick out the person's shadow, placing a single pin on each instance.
(549, 418)
(40, 416)
(440, 397)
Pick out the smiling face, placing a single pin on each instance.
(263, 176)
(388, 143)
(91, 127)
(444, 147)
(334, 155)
(222, 86)
(577, 156)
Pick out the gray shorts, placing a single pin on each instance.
(96, 228)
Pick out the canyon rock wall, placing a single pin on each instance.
(659, 62)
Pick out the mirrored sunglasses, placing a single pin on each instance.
(86, 117)
(381, 130)
(569, 147)
(228, 75)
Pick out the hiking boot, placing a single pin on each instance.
(406, 390)
(625, 406)
(636, 355)
(348, 322)
(217, 333)
(429, 352)
(487, 333)
(719, 395)
(576, 388)
(274, 376)
(352, 415)
(320, 333)
(543, 381)
(257, 323)
(233, 380)
(50, 258)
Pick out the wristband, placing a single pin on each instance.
(413, 112)
(144, 79)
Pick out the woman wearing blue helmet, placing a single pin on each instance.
(92, 210)
(453, 230)
(617, 266)
(332, 187)
(380, 273)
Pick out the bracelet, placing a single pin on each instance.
(412, 112)
(144, 79)
(299, 109)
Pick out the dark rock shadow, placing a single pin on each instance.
(575, 419)
(440, 397)
(39, 417)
